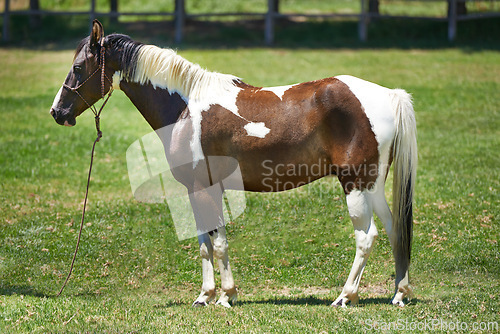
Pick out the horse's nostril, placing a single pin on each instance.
(56, 115)
(53, 113)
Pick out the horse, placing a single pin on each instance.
(354, 128)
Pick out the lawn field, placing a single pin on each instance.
(291, 252)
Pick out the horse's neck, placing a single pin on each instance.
(157, 105)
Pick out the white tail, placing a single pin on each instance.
(405, 167)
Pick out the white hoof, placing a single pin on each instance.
(400, 295)
(227, 301)
(343, 300)
(199, 304)
(204, 298)
(223, 303)
(398, 303)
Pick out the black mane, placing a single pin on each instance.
(84, 42)
(127, 50)
(126, 47)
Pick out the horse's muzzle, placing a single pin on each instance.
(62, 119)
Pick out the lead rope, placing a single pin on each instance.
(97, 115)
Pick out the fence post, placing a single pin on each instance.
(6, 22)
(35, 18)
(270, 17)
(180, 11)
(452, 19)
(92, 14)
(373, 6)
(113, 10)
(363, 22)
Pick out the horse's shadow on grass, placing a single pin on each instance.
(323, 301)
(307, 300)
(301, 301)
(26, 290)
(23, 290)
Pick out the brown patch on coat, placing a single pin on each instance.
(316, 124)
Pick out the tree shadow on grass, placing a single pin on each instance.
(25, 290)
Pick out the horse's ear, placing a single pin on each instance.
(97, 34)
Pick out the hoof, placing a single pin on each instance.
(340, 302)
(226, 301)
(199, 304)
(223, 303)
(398, 303)
(400, 295)
(204, 298)
(343, 301)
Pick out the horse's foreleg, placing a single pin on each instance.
(365, 232)
(206, 210)
(229, 292)
(207, 262)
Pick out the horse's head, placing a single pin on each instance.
(87, 81)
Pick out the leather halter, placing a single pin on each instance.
(104, 77)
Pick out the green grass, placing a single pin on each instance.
(291, 252)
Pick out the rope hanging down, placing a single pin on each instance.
(97, 115)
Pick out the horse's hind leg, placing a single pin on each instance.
(384, 214)
(360, 210)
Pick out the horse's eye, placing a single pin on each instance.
(77, 69)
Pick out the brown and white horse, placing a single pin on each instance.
(353, 128)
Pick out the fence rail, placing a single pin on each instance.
(270, 16)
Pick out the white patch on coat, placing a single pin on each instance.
(57, 98)
(196, 107)
(258, 130)
(199, 88)
(117, 77)
(356, 203)
(378, 107)
(279, 91)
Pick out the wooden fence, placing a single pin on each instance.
(271, 16)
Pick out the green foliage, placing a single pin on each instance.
(227, 31)
(291, 252)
